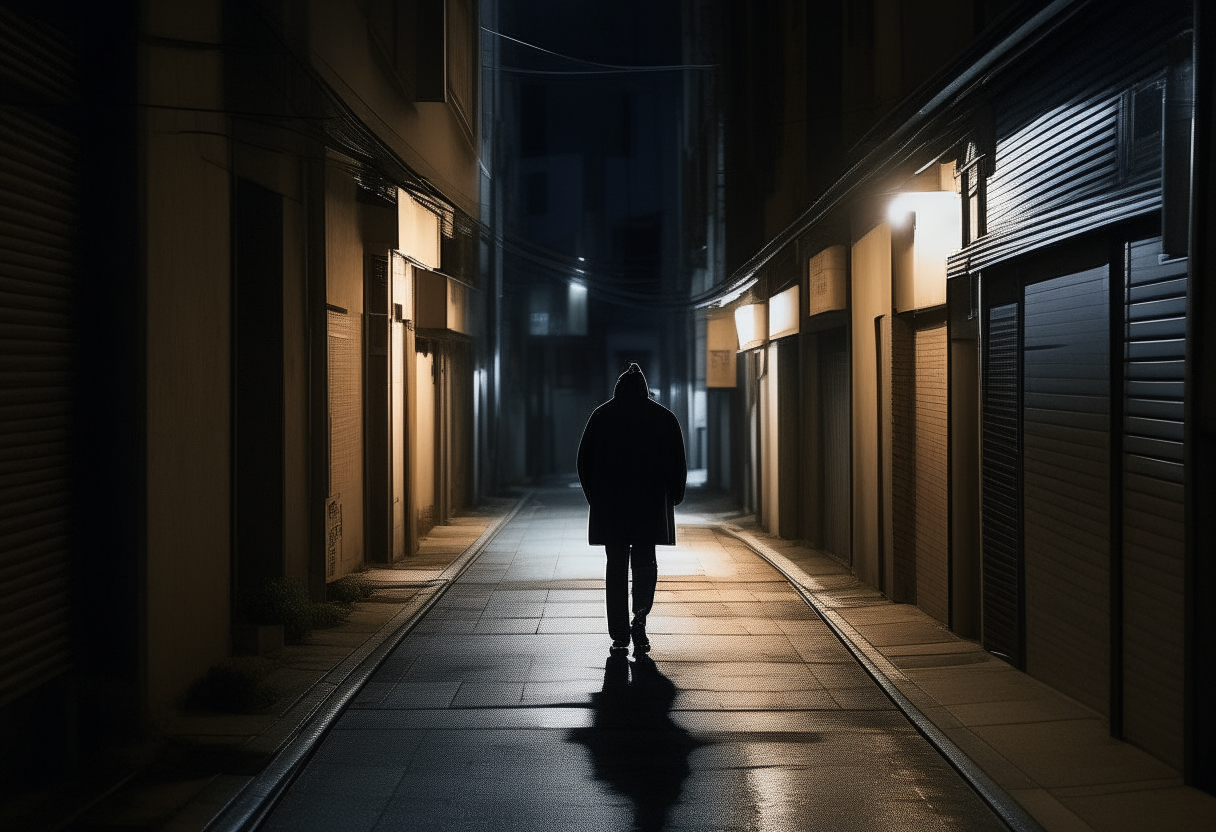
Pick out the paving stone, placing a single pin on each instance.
(503, 711)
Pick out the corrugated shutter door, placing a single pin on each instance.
(1153, 590)
(1066, 484)
(1001, 491)
(37, 233)
(344, 338)
(932, 513)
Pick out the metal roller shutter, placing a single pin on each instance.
(1001, 486)
(344, 338)
(932, 537)
(1066, 483)
(1153, 591)
(38, 226)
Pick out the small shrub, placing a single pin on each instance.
(281, 601)
(330, 615)
(285, 601)
(348, 589)
(232, 688)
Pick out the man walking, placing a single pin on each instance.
(631, 465)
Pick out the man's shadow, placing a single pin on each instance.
(635, 747)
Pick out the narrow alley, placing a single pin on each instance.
(316, 315)
(502, 710)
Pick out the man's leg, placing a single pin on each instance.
(616, 593)
(645, 578)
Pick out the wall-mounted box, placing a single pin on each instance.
(721, 344)
(440, 301)
(783, 314)
(751, 325)
(417, 231)
(825, 285)
(402, 289)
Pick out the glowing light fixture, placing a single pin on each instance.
(751, 324)
(783, 314)
(576, 308)
(926, 228)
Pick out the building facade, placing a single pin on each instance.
(967, 368)
(244, 313)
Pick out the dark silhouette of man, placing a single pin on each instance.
(631, 465)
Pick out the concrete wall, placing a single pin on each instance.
(424, 441)
(296, 450)
(427, 136)
(281, 173)
(770, 445)
(871, 298)
(344, 288)
(188, 330)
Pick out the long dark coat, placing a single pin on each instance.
(631, 464)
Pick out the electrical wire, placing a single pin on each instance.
(599, 67)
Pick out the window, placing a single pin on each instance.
(973, 187)
(1142, 123)
(409, 39)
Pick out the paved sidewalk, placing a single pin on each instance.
(501, 709)
(1049, 752)
(197, 762)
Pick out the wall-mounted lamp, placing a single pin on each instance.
(576, 308)
(926, 230)
(751, 325)
(783, 314)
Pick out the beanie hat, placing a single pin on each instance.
(632, 383)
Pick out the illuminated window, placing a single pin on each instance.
(974, 188)
(539, 306)
(539, 323)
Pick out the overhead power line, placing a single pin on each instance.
(597, 68)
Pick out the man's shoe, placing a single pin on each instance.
(619, 646)
(641, 644)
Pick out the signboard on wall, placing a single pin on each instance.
(826, 281)
(720, 347)
(783, 314)
(333, 534)
(417, 231)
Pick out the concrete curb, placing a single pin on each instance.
(1006, 808)
(295, 735)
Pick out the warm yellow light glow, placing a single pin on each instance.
(926, 228)
(783, 314)
(924, 204)
(751, 324)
